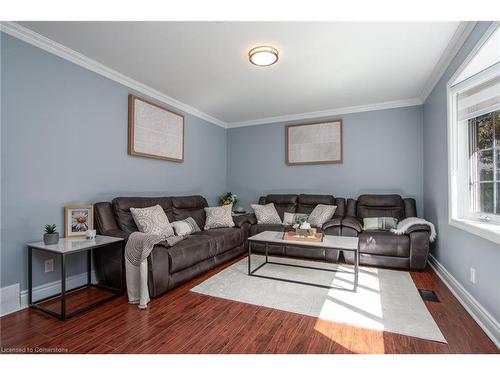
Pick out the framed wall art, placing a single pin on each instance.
(154, 131)
(78, 219)
(317, 143)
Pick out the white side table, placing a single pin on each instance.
(63, 249)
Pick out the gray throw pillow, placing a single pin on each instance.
(379, 223)
(152, 220)
(219, 217)
(185, 227)
(321, 214)
(290, 219)
(266, 214)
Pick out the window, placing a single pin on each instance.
(474, 140)
(484, 167)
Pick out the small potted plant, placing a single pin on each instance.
(302, 227)
(50, 237)
(228, 198)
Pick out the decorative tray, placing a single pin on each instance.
(292, 236)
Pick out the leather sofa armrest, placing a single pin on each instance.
(418, 228)
(251, 218)
(333, 222)
(353, 223)
(240, 220)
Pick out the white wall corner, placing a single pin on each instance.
(37, 40)
(482, 317)
(461, 34)
(9, 299)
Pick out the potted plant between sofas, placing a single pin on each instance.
(228, 198)
(50, 237)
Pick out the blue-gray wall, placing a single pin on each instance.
(456, 249)
(64, 141)
(382, 154)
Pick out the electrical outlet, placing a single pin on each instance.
(472, 275)
(49, 265)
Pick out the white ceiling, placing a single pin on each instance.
(322, 66)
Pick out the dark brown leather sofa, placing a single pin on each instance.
(300, 203)
(168, 266)
(384, 248)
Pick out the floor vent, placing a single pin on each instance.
(428, 295)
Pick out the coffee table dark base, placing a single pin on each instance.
(252, 272)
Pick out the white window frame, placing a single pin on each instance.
(459, 214)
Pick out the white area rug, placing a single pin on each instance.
(386, 300)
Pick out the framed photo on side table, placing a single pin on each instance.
(78, 219)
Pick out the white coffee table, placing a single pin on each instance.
(329, 242)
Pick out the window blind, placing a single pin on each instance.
(479, 99)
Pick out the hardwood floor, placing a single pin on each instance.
(186, 322)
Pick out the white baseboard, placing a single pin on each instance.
(482, 317)
(12, 300)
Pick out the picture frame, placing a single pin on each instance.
(154, 131)
(314, 143)
(78, 219)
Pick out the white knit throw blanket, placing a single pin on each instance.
(139, 246)
(407, 223)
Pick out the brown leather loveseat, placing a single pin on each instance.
(301, 203)
(168, 266)
(381, 247)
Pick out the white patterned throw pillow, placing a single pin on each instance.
(185, 227)
(219, 217)
(152, 220)
(291, 219)
(321, 214)
(266, 214)
(379, 223)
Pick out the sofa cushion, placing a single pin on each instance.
(379, 223)
(185, 227)
(384, 243)
(321, 214)
(283, 203)
(374, 205)
(266, 214)
(307, 202)
(224, 239)
(123, 216)
(190, 206)
(194, 249)
(152, 220)
(219, 217)
(291, 218)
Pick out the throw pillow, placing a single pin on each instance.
(152, 220)
(219, 217)
(185, 227)
(266, 214)
(379, 223)
(321, 214)
(290, 219)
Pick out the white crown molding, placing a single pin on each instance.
(77, 58)
(482, 317)
(328, 112)
(461, 34)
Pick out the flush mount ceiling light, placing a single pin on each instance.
(263, 56)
